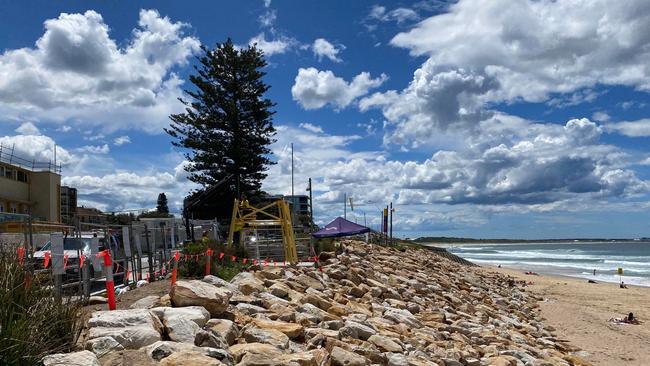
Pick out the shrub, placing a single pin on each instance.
(33, 323)
(224, 268)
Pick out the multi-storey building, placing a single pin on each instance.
(68, 204)
(27, 185)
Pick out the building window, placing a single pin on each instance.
(2, 206)
(13, 208)
(21, 176)
(9, 173)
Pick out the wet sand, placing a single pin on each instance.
(579, 311)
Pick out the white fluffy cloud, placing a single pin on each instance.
(28, 128)
(434, 101)
(398, 15)
(95, 149)
(37, 148)
(122, 140)
(123, 190)
(640, 128)
(322, 48)
(77, 72)
(275, 46)
(314, 89)
(513, 166)
(534, 48)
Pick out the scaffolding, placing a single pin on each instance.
(259, 226)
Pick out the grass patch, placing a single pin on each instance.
(33, 324)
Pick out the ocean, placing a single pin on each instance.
(567, 259)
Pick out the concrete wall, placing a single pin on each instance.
(13, 190)
(45, 192)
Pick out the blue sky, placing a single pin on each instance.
(517, 119)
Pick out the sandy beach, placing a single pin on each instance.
(580, 311)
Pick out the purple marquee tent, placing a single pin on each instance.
(340, 227)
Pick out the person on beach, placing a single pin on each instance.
(629, 319)
(623, 285)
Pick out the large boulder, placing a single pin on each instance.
(163, 349)
(83, 358)
(238, 351)
(182, 324)
(247, 283)
(224, 328)
(146, 302)
(220, 282)
(103, 345)
(190, 358)
(198, 293)
(357, 330)
(132, 329)
(292, 330)
(384, 343)
(273, 337)
(341, 357)
(400, 316)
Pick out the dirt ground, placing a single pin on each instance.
(124, 300)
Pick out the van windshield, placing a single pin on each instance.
(70, 244)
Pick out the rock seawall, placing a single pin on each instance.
(368, 306)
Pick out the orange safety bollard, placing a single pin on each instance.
(177, 256)
(110, 285)
(208, 255)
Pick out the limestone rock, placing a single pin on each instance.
(189, 358)
(182, 324)
(384, 343)
(266, 350)
(224, 328)
(341, 357)
(291, 330)
(220, 282)
(247, 283)
(82, 358)
(273, 337)
(194, 292)
(163, 349)
(132, 329)
(103, 345)
(146, 302)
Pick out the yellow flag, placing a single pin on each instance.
(620, 270)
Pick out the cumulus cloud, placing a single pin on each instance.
(435, 100)
(28, 128)
(76, 72)
(514, 166)
(279, 45)
(95, 149)
(534, 48)
(322, 48)
(639, 128)
(37, 148)
(399, 15)
(123, 190)
(122, 140)
(314, 89)
(600, 116)
(311, 127)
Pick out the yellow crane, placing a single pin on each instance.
(245, 216)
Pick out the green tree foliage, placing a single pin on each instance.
(162, 207)
(227, 124)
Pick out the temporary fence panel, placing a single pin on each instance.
(57, 253)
